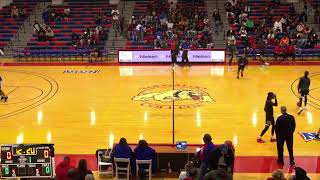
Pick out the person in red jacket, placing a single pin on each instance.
(291, 51)
(278, 52)
(63, 168)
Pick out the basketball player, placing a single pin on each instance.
(268, 108)
(303, 89)
(2, 95)
(242, 63)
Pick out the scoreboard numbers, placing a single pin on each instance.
(27, 160)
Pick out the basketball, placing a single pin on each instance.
(299, 104)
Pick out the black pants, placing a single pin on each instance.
(174, 55)
(185, 56)
(280, 144)
(269, 121)
(304, 93)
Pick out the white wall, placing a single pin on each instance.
(4, 3)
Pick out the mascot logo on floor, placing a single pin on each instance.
(161, 96)
(308, 136)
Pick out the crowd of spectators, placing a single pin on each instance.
(56, 15)
(167, 23)
(286, 33)
(89, 37)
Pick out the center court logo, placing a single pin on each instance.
(184, 96)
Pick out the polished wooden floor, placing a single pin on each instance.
(81, 112)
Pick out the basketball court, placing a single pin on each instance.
(83, 108)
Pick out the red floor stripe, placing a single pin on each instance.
(243, 164)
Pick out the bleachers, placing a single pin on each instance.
(8, 25)
(143, 8)
(276, 11)
(82, 16)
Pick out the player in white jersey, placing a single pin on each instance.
(2, 95)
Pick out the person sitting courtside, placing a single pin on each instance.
(63, 168)
(83, 169)
(144, 152)
(123, 150)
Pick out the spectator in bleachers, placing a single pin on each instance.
(190, 172)
(63, 168)
(278, 52)
(204, 155)
(217, 20)
(277, 25)
(14, 12)
(312, 39)
(99, 18)
(36, 27)
(231, 42)
(45, 16)
(49, 34)
(115, 19)
(66, 12)
(83, 169)
(144, 152)
(85, 38)
(23, 13)
(75, 39)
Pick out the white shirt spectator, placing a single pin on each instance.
(270, 36)
(115, 14)
(66, 10)
(49, 33)
(138, 27)
(206, 20)
(277, 25)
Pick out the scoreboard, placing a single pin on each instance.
(27, 160)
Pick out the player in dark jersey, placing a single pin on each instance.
(3, 97)
(268, 108)
(303, 89)
(242, 63)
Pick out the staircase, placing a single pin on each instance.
(114, 43)
(25, 32)
(218, 38)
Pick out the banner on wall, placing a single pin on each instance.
(163, 56)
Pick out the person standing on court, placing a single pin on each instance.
(285, 126)
(268, 108)
(185, 46)
(2, 95)
(303, 89)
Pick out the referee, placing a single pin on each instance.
(2, 95)
(284, 128)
